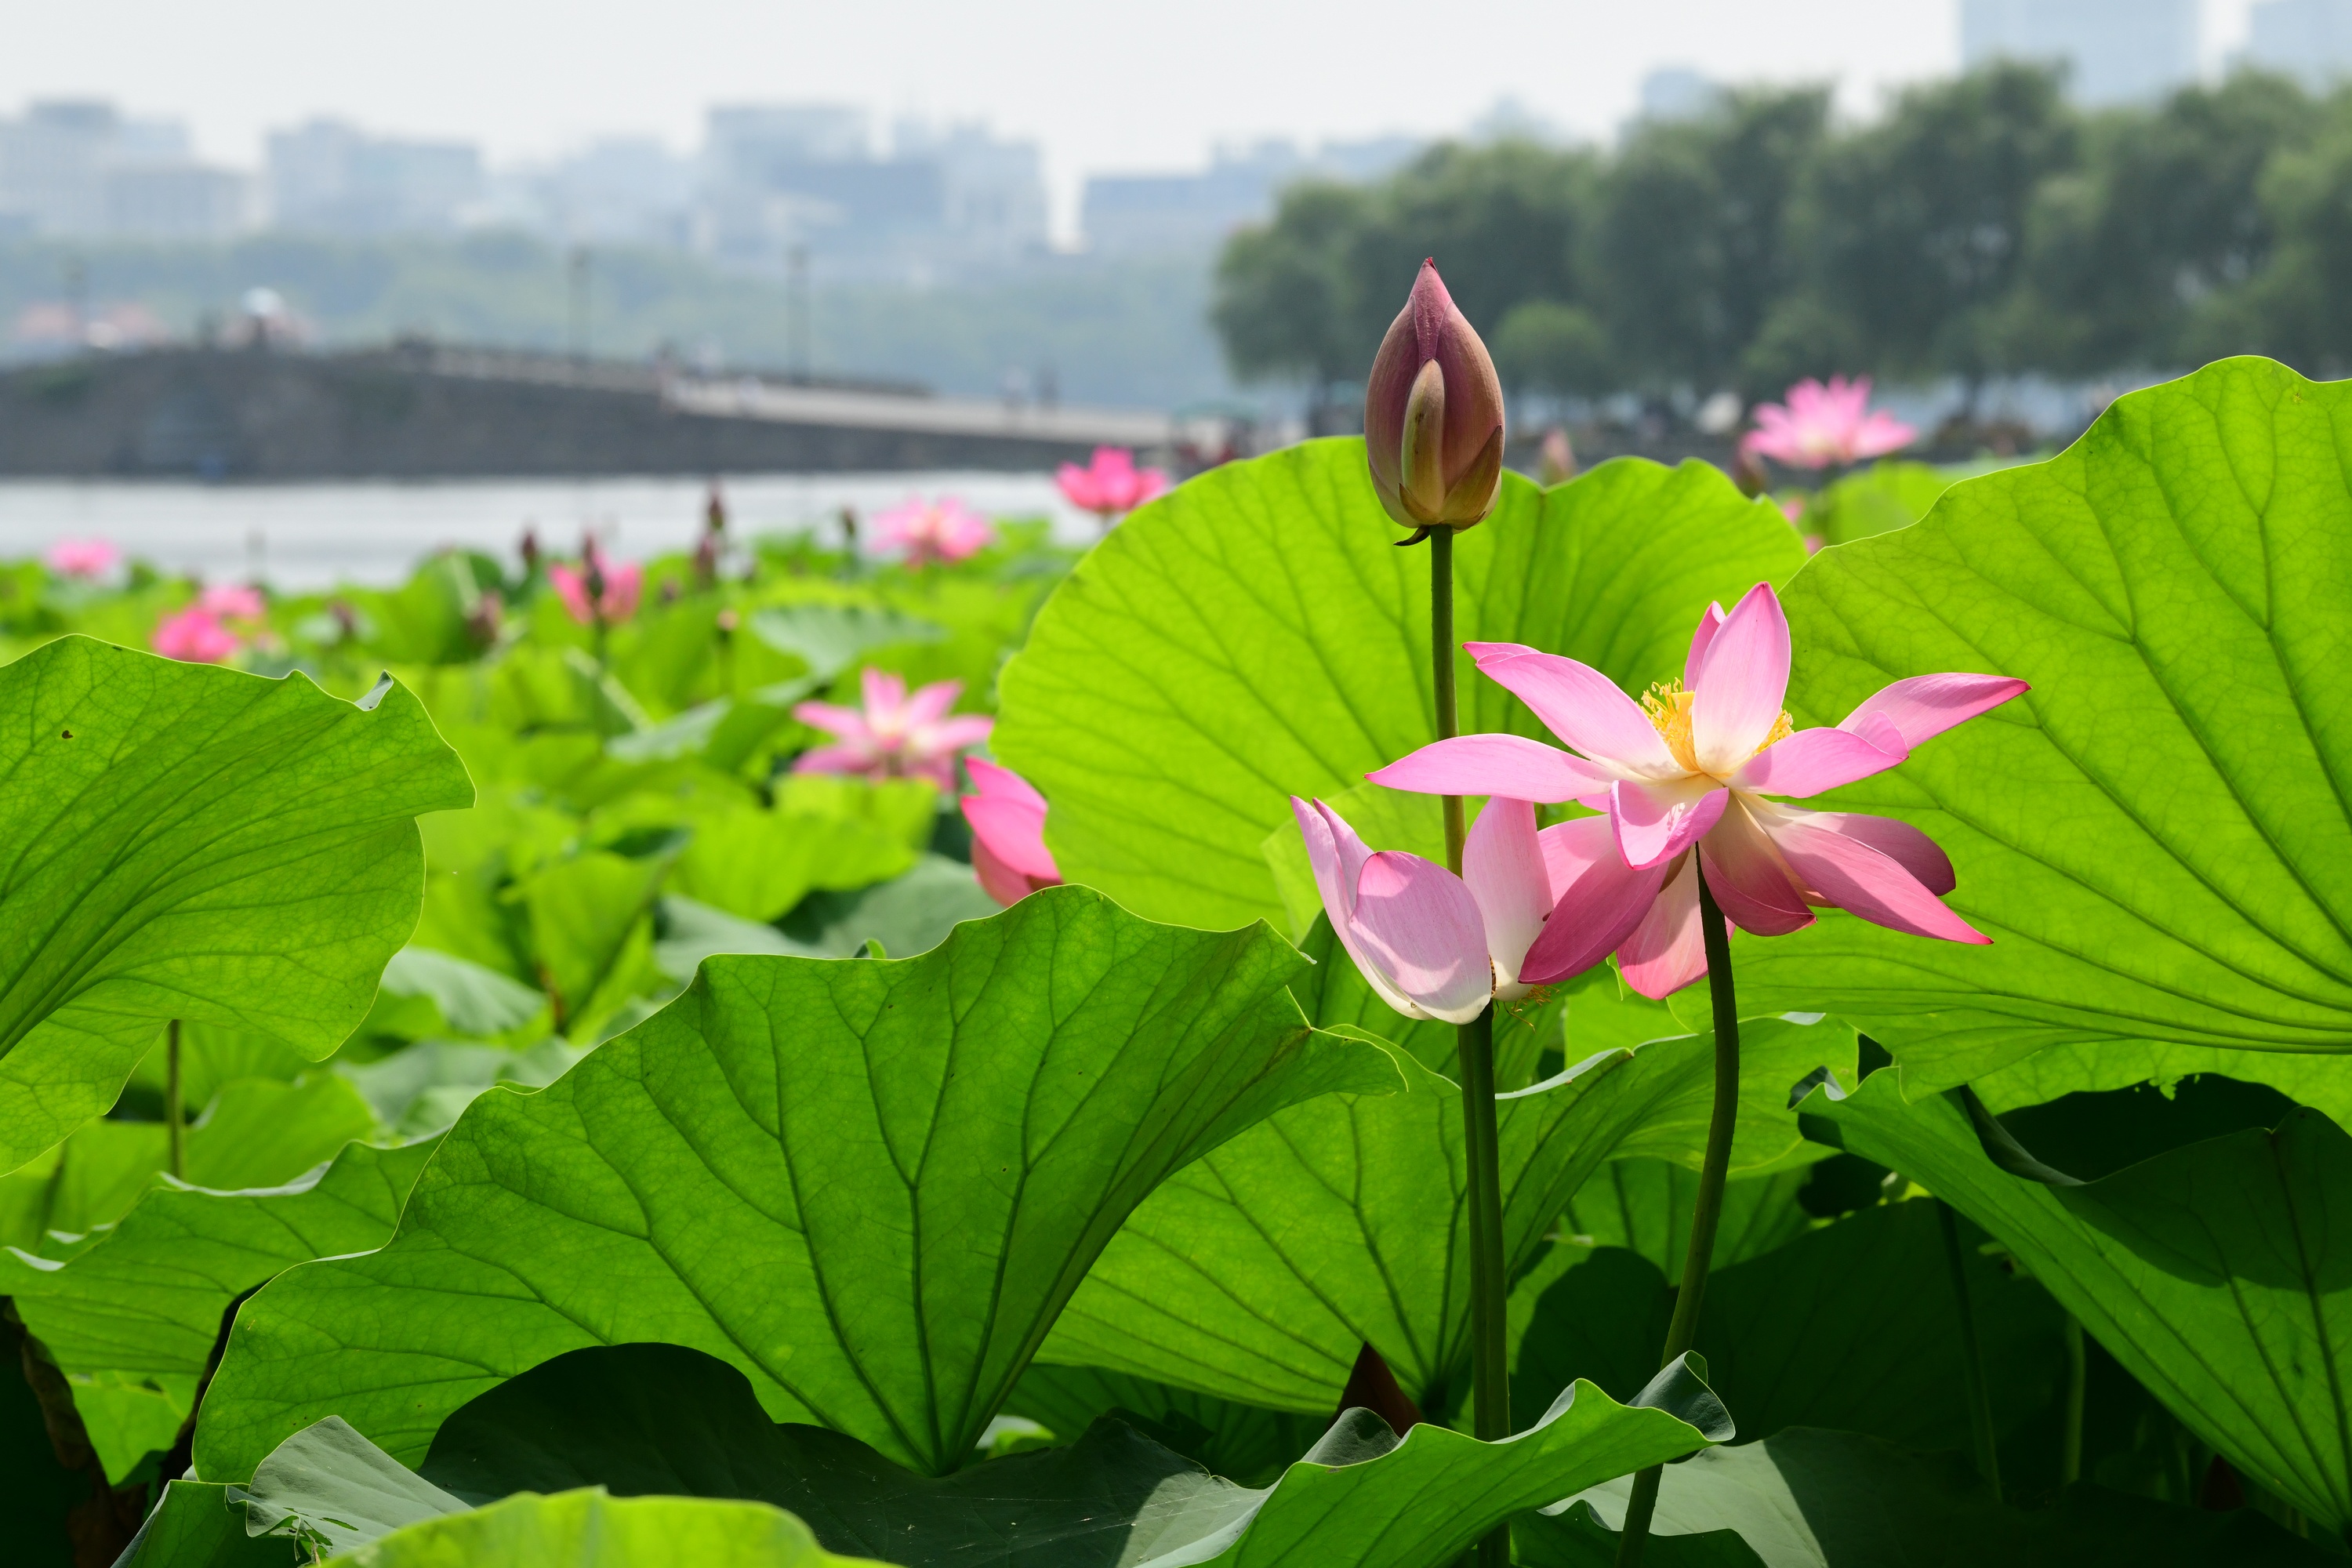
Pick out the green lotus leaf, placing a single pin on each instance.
(188, 842)
(201, 1524)
(1810, 1499)
(590, 1530)
(2157, 838)
(871, 1185)
(2209, 1270)
(1255, 636)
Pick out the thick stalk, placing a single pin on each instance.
(1440, 641)
(2078, 1379)
(175, 1128)
(1707, 1211)
(1971, 1356)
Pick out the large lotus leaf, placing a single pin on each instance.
(1258, 1274)
(2317, 1081)
(590, 1530)
(1852, 1326)
(201, 1524)
(646, 1418)
(1246, 1442)
(1810, 1499)
(1255, 636)
(2214, 1273)
(908, 915)
(188, 842)
(1646, 1206)
(147, 1295)
(872, 1185)
(2157, 838)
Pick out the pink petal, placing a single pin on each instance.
(846, 722)
(1480, 652)
(1014, 832)
(1655, 822)
(1584, 708)
(1709, 625)
(1666, 952)
(1000, 881)
(1751, 885)
(884, 693)
(1493, 764)
(1898, 841)
(1503, 864)
(1924, 706)
(1418, 927)
(1601, 901)
(1742, 682)
(1337, 855)
(1850, 875)
(1811, 761)
(951, 735)
(930, 701)
(995, 780)
(838, 760)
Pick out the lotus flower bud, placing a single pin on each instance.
(1434, 415)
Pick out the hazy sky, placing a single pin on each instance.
(1103, 85)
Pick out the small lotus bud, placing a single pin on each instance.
(1434, 415)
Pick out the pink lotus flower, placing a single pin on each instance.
(1690, 768)
(599, 589)
(1826, 425)
(1110, 486)
(1432, 944)
(194, 635)
(897, 735)
(1008, 834)
(83, 557)
(232, 603)
(943, 530)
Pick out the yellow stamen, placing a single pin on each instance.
(1669, 708)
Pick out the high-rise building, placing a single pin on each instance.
(79, 167)
(329, 178)
(1137, 214)
(2311, 39)
(2116, 51)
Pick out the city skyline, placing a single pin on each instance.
(1099, 92)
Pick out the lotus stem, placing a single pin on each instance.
(1971, 1356)
(1707, 1210)
(2078, 1378)
(1441, 638)
(175, 1128)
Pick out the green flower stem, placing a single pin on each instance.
(175, 1123)
(1708, 1210)
(1971, 1356)
(2078, 1377)
(1440, 640)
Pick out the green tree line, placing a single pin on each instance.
(1982, 227)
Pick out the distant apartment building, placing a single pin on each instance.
(2309, 39)
(330, 177)
(782, 179)
(80, 168)
(1144, 215)
(2116, 51)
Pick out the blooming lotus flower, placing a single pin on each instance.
(1686, 777)
(895, 735)
(232, 603)
(1434, 415)
(1823, 426)
(87, 558)
(943, 530)
(1111, 485)
(599, 589)
(194, 635)
(1432, 944)
(1008, 833)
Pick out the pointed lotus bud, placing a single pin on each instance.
(1434, 415)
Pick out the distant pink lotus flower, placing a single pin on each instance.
(1008, 834)
(194, 635)
(1111, 486)
(232, 603)
(897, 735)
(943, 530)
(83, 557)
(1432, 944)
(1683, 776)
(600, 590)
(1823, 426)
